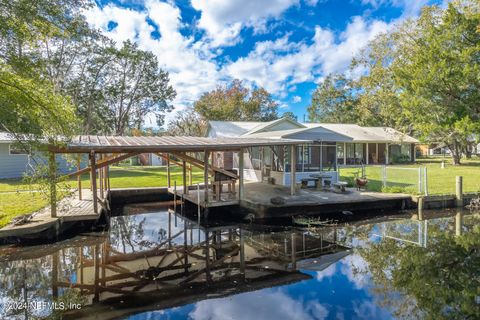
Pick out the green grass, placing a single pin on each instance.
(14, 200)
(440, 181)
(120, 177)
(15, 204)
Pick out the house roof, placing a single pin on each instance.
(366, 134)
(125, 144)
(313, 134)
(262, 126)
(6, 137)
(232, 128)
(338, 132)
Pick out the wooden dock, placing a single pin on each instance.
(69, 209)
(197, 197)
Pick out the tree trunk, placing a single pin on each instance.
(456, 153)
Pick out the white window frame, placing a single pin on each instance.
(17, 154)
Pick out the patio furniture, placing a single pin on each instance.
(339, 186)
(305, 182)
(222, 179)
(322, 183)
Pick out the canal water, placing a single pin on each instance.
(154, 264)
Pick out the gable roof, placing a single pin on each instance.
(231, 128)
(311, 134)
(366, 134)
(263, 126)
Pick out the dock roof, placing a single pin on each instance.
(122, 144)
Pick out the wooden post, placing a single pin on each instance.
(241, 187)
(198, 205)
(458, 223)
(93, 182)
(387, 154)
(420, 208)
(293, 170)
(190, 174)
(79, 178)
(262, 163)
(100, 179)
(294, 251)
(366, 149)
(459, 191)
(175, 196)
(169, 184)
(205, 176)
(242, 252)
(184, 171)
(53, 184)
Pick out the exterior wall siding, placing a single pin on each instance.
(16, 165)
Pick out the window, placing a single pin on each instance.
(340, 153)
(304, 155)
(18, 150)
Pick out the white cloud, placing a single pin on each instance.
(296, 99)
(264, 304)
(191, 68)
(223, 20)
(278, 65)
(410, 7)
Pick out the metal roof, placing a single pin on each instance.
(366, 134)
(6, 137)
(231, 128)
(122, 144)
(313, 134)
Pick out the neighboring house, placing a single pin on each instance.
(15, 162)
(151, 159)
(334, 145)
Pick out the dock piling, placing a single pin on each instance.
(175, 196)
(420, 208)
(459, 191)
(198, 204)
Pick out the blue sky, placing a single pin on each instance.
(285, 46)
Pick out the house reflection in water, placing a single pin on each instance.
(131, 271)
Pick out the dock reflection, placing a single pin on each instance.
(136, 267)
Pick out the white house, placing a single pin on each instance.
(333, 145)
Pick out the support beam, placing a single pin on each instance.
(52, 165)
(169, 183)
(262, 163)
(366, 149)
(241, 190)
(205, 176)
(199, 164)
(293, 171)
(93, 176)
(184, 174)
(190, 174)
(100, 179)
(79, 178)
(387, 154)
(104, 163)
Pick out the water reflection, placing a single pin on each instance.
(154, 264)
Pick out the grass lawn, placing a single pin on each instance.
(440, 181)
(120, 177)
(15, 204)
(15, 201)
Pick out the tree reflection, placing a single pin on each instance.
(441, 281)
